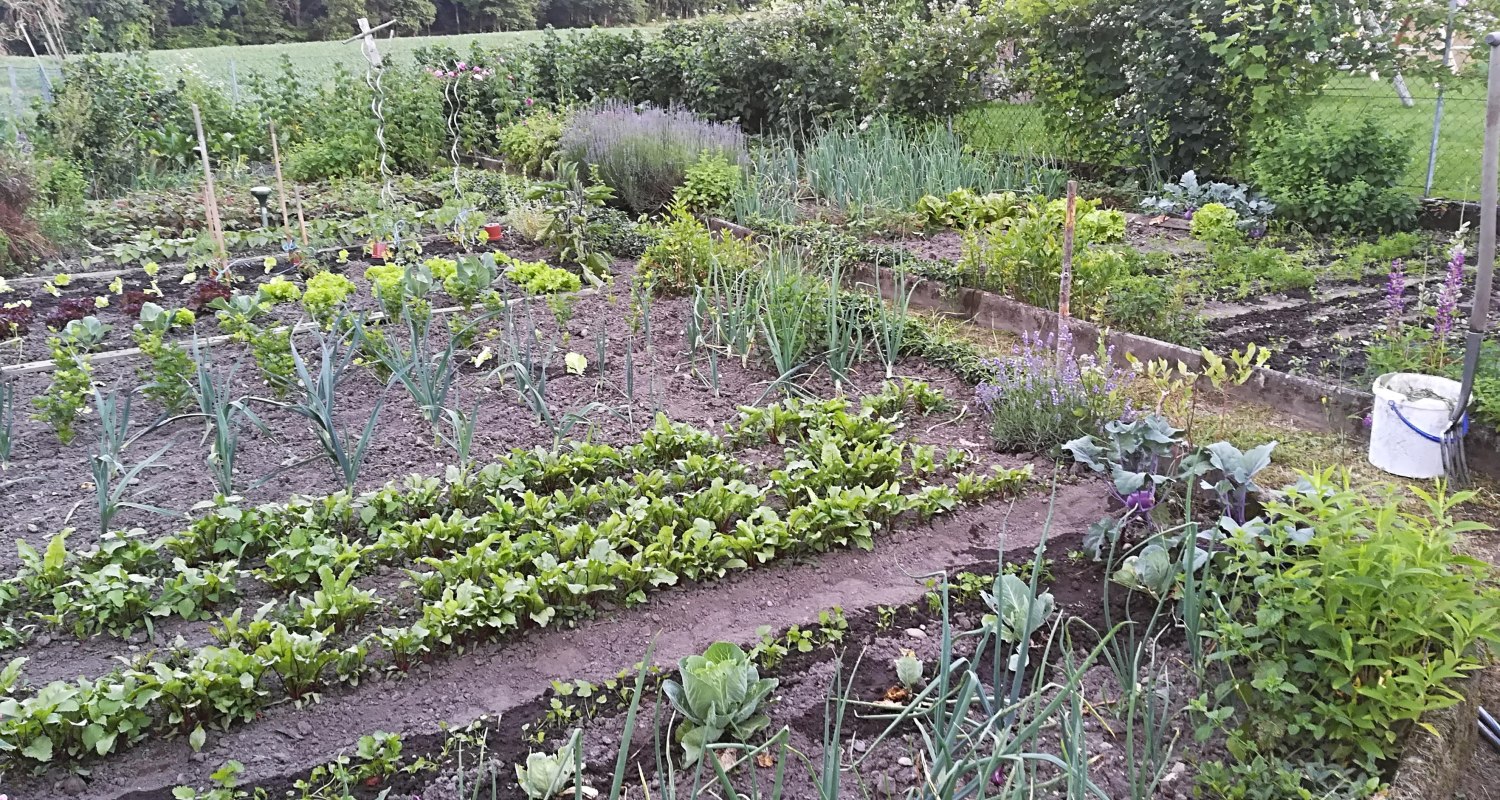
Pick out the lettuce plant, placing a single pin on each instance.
(720, 693)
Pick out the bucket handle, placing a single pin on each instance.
(1424, 434)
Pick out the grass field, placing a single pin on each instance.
(224, 64)
(1021, 128)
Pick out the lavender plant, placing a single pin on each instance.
(1044, 393)
(645, 153)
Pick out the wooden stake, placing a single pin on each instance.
(210, 198)
(286, 222)
(301, 223)
(1065, 287)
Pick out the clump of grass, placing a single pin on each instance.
(885, 165)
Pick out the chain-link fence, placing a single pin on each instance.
(1445, 144)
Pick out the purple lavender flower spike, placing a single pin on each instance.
(1448, 298)
(1395, 296)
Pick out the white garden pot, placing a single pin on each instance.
(1410, 416)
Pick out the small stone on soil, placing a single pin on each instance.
(916, 633)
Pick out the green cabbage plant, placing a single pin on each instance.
(546, 775)
(720, 693)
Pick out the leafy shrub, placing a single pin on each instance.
(1155, 306)
(1024, 257)
(344, 155)
(685, 252)
(1328, 172)
(1333, 561)
(708, 184)
(530, 142)
(787, 69)
(644, 155)
(1176, 86)
(1215, 222)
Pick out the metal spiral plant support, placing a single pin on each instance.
(377, 107)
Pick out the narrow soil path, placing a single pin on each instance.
(497, 677)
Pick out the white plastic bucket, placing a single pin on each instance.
(1411, 414)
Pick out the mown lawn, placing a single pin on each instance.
(309, 58)
(1020, 128)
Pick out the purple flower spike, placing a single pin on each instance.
(1448, 297)
(1395, 296)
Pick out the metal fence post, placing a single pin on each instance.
(1437, 114)
(15, 94)
(46, 83)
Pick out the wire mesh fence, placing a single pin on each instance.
(1444, 151)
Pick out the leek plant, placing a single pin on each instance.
(318, 398)
(113, 475)
(222, 414)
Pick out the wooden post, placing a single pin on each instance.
(286, 222)
(301, 223)
(1065, 285)
(210, 198)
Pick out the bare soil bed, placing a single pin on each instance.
(494, 678)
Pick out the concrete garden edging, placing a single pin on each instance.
(1321, 405)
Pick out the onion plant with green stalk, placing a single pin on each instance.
(113, 476)
(890, 321)
(788, 316)
(844, 331)
(735, 297)
(7, 420)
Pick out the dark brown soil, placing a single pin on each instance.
(498, 678)
(877, 760)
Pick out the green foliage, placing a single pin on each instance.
(685, 252)
(708, 183)
(784, 69)
(68, 393)
(962, 208)
(1023, 258)
(537, 278)
(1329, 172)
(720, 693)
(1178, 88)
(1215, 222)
(568, 202)
(530, 142)
(168, 379)
(1346, 618)
(277, 290)
(325, 294)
